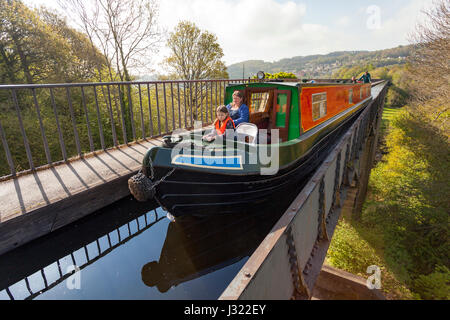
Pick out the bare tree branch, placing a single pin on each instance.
(127, 31)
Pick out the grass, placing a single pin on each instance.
(404, 223)
(389, 113)
(354, 246)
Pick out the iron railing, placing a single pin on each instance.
(45, 124)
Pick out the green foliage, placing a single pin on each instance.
(279, 75)
(434, 285)
(349, 251)
(408, 205)
(398, 94)
(404, 223)
(356, 246)
(410, 202)
(324, 66)
(194, 54)
(353, 71)
(39, 47)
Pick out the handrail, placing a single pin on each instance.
(87, 117)
(137, 82)
(96, 116)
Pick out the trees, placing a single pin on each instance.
(82, 61)
(38, 46)
(430, 63)
(349, 71)
(127, 31)
(409, 188)
(194, 54)
(22, 39)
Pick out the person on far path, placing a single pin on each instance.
(239, 111)
(366, 77)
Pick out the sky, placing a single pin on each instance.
(271, 30)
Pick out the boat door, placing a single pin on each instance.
(280, 113)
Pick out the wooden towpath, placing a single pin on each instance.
(40, 202)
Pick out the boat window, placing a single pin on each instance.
(258, 101)
(280, 113)
(319, 105)
(350, 96)
(360, 93)
(280, 120)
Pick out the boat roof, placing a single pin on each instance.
(277, 83)
(291, 83)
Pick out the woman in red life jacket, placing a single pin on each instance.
(221, 125)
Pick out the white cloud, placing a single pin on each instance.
(395, 30)
(246, 29)
(272, 30)
(269, 30)
(343, 21)
(398, 28)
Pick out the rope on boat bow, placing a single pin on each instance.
(142, 188)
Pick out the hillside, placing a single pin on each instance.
(316, 66)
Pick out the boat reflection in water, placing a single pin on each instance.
(197, 246)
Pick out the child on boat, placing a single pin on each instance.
(221, 125)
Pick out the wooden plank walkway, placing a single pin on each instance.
(40, 202)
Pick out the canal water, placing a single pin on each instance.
(132, 250)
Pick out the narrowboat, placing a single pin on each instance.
(291, 128)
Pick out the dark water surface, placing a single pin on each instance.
(131, 250)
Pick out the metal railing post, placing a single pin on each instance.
(22, 129)
(58, 126)
(41, 125)
(165, 108)
(157, 108)
(198, 105)
(179, 105)
(142, 112)
(150, 110)
(100, 126)
(7, 151)
(124, 128)
(111, 116)
(173, 107)
(91, 142)
(130, 105)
